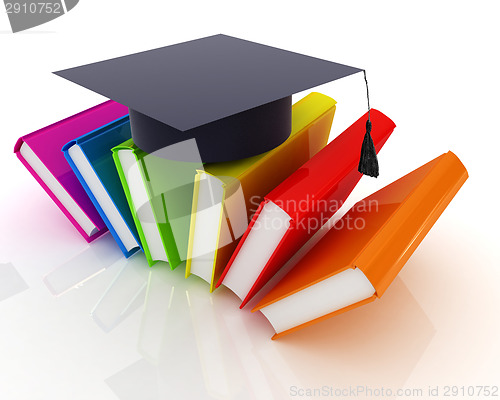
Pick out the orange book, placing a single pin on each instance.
(356, 261)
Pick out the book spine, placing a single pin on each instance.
(192, 223)
(161, 218)
(225, 245)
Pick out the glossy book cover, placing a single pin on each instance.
(374, 240)
(48, 160)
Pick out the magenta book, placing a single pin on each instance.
(41, 154)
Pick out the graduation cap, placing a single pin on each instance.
(231, 95)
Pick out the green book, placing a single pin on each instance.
(159, 192)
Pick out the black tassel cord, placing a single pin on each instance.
(368, 163)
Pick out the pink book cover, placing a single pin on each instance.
(47, 143)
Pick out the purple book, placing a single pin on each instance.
(41, 154)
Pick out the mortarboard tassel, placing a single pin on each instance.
(368, 163)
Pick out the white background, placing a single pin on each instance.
(432, 67)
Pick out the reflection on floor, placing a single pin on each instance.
(379, 343)
(11, 283)
(107, 327)
(226, 352)
(185, 331)
(92, 260)
(124, 295)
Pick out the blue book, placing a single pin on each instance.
(91, 159)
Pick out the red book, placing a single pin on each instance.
(295, 210)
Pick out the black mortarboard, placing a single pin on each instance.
(233, 96)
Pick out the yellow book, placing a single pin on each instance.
(227, 194)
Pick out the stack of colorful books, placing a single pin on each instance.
(231, 191)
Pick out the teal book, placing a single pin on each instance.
(91, 159)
